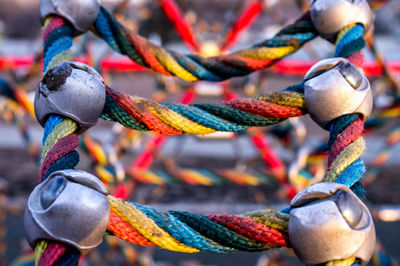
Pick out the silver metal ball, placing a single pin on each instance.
(329, 222)
(70, 206)
(334, 87)
(331, 16)
(73, 90)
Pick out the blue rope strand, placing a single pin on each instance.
(350, 43)
(62, 44)
(105, 30)
(352, 174)
(51, 123)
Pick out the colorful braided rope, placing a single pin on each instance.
(212, 233)
(175, 119)
(193, 67)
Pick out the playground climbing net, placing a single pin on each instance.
(70, 210)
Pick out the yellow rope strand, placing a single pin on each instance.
(39, 249)
(350, 154)
(146, 226)
(171, 65)
(266, 53)
(284, 98)
(344, 262)
(64, 56)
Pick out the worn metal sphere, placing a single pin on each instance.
(334, 87)
(71, 207)
(329, 222)
(331, 16)
(73, 90)
(80, 13)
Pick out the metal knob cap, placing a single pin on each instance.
(70, 206)
(331, 16)
(329, 222)
(334, 87)
(73, 90)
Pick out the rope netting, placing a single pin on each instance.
(183, 231)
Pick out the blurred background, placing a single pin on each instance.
(252, 170)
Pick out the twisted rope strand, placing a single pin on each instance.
(174, 119)
(212, 233)
(57, 39)
(346, 167)
(193, 67)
